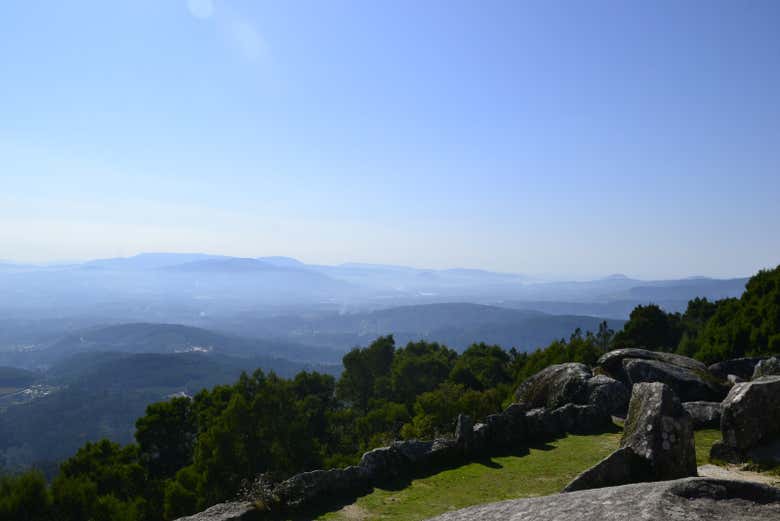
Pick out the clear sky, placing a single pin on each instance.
(574, 138)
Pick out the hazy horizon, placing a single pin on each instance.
(532, 277)
(546, 138)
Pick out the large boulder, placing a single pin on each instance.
(751, 415)
(320, 486)
(768, 367)
(464, 431)
(657, 443)
(580, 419)
(619, 468)
(572, 383)
(691, 499)
(397, 460)
(659, 428)
(740, 367)
(555, 386)
(612, 362)
(705, 415)
(608, 394)
(689, 378)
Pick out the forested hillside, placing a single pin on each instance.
(95, 395)
(712, 331)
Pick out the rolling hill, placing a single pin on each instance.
(455, 324)
(168, 339)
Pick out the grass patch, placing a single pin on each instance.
(540, 472)
(705, 438)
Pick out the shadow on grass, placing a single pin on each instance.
(398, 483)
(402, 482)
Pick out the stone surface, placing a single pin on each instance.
(619, 468)
(751, 414)
(704, 414)
(309, 488)
(400, 458)
(689, 378)
(555, 386)
(464, 431)
(608, 394)
(612, 362)
(659, 428)
(233, 511)
(691, 499)
(741, 367)
(657, 443)
(542, 425)
(688, 385)
(768, 367)
(480, 439)
(444, 451)
(734, 379)
(414, 452)
(767, 453)
(583, 419)
(722, 452)
(572, 383)
(734, 473)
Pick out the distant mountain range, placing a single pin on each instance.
(278, 354)
(321, 305)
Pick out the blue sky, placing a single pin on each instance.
(570, 138)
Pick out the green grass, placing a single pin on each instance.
(537, 473)
(704, 440)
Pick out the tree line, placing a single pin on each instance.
(191, 453)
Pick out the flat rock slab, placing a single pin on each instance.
(734, 473)
(689, 499)
(233, 511)
(705, 415)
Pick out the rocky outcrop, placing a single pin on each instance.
(309, 488)
(691, 499)
(398, 459)
(608, 394)
(768, 367)
(612, 362)
(464, 431)
(739, 367)
(688, 378)
(657, 443)
(705, 415)
(619, 468)
(750, 418)
(555, 386)
(572, 383)
(233, 511)
(659, 428)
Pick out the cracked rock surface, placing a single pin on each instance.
(689, 499)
